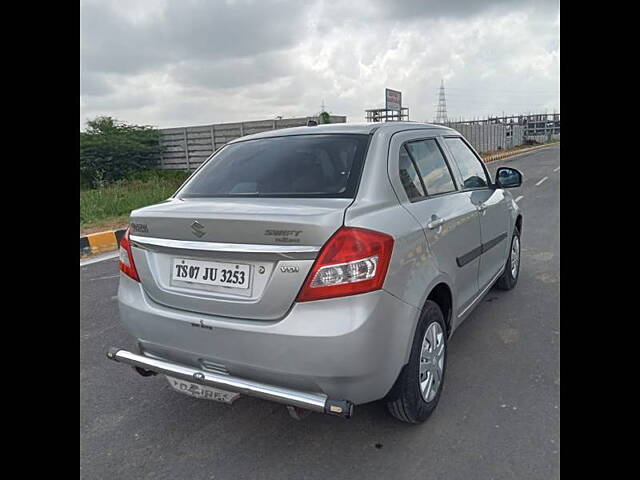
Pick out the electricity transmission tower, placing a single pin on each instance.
(441, 112)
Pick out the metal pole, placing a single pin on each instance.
(484, 137)
(186, 149)
(161, 148)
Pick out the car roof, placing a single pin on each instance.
(354, 128)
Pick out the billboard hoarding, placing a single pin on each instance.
(393, 99)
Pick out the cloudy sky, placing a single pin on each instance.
(187, 62)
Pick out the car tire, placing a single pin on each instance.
(509, 277)
(406, 400)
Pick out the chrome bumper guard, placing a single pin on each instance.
(316, 402)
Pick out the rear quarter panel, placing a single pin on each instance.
(413, 271)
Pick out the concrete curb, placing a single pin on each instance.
(509, 153)
(100, 242)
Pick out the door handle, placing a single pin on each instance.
(435, 223)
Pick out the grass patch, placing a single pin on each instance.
(112, 203)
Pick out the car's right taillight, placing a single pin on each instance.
(126, 258)
(354, 260)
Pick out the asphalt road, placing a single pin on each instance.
(498, 416)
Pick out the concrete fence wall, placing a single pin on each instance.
(490, 138)
(543, 138)
(185, 148)
(493, 134)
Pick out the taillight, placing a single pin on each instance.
(354, 260)
(126, 257)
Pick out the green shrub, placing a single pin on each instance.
(117, 199)
(111, 150)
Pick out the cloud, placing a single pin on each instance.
(456, 9)
(95, 85)
(191, 62)
(114, 41)
(232, 72)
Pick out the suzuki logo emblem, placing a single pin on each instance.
(198, 229)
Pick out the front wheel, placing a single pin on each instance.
(416, 392)
(509, 277)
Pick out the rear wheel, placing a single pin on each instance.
(416, 392)
(509, 277)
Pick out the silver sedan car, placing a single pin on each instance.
(320, 267)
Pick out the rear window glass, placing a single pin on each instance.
(295, 166)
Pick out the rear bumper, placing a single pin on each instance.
(310, 401)
(345, 348)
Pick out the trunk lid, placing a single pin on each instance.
(273, 240)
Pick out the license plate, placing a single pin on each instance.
(231, 275)
(202, 391)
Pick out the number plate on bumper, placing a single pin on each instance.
(203, 391)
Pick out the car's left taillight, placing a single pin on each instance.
(126, 258)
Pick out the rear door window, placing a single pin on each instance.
(472, 172)
(432, 167)
(326, 166)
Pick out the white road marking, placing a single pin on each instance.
(541, 181)
(106, 256)
(556, 169)
(519, 198)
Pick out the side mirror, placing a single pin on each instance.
(508, 178)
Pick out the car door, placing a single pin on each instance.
(427, 189)
(491, 204)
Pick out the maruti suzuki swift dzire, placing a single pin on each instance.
(319, 267)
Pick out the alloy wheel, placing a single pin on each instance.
(515, 256)
(432, 361)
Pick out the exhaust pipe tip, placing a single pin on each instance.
(144, 372)
(298, 413)
(341, 408)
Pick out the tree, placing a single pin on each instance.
(111, 150)
(325, 117)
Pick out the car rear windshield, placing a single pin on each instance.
(326, 166)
